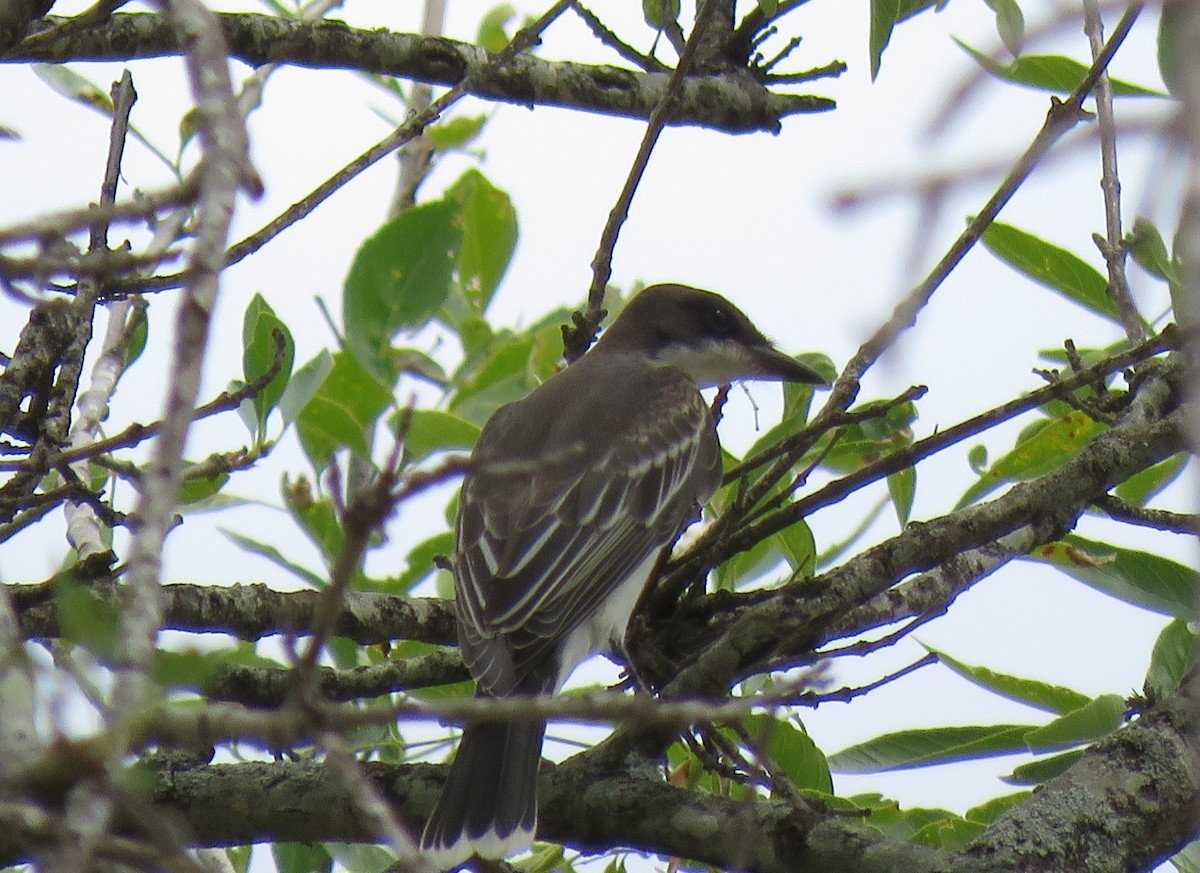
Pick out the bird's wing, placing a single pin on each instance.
(538, 554)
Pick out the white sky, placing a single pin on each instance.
(746, 216)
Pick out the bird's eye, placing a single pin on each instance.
(721, 322)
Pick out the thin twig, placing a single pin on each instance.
(84, 531)
(137, 433)
(846, 694)
(578, 338)
(1063, 115)
(649, 63)
(223, 169)
(523, 40)
(1159, 519)
(705, 553)
(57, 224)
(1111, 246)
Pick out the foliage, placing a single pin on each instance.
(355, 659)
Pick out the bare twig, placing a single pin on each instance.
(223, 169)
(923, 448)
(610, 39)
(377, 813)
(61, 223)
(416, 155)
(707, 551)
(1111, 246)
(412, 128)
(1063, 115)
(579, 337)
(137, 433)
(1160, 519)
(84, 530)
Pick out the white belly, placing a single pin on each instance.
(607, 626)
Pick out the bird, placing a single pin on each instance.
(570, 497)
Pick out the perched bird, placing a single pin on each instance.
(572, 494)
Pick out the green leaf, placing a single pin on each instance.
(659, 13)
(361, 857)
(85, 618)
(1187, 860)
(885, 15)
(316, 517)
(769, 7)
(902, 486)
(500, 375)
(886, 815)
(1149, 251)
(1044, 447)
(411, 362)
(1031, 692)
(301, 858)
(1140, 487)
(1050, 266)
(70, 84)
(138, 331)
(747, 566)
(867, 441)
(797, 400)
(977, 458)
(276, 557)
(1095, 719)
(189, 125)
(1139, 578)
(454, 133)
(399, 279)
(491, 36)
(420, 562)
(1173, 655)
(1174, 57)
(343, 411)
(303, 386)
(489, 236)
(922, 747)
(191, 668)
(799, 547)
(1054, 73)
(1010, 23)
(239, 858)
(1043, 769)
(551, 858)
(1146, 245)
(950, 833)
(259, 328)
(793, 751)
(431, 430)
(196, 488)
(990, 810)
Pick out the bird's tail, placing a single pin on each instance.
(488, 805)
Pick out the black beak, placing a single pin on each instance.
(774, 364)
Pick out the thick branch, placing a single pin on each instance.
(250, 612)
(1132, 799)
(1130, 802)
(582, 806)
(731, 103)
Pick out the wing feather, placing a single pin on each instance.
(541, 545)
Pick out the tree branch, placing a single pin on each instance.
(708, 101)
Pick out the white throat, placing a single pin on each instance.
(711, 363)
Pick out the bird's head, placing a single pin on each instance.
(702, 334)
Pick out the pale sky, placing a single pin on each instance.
(746, 216)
